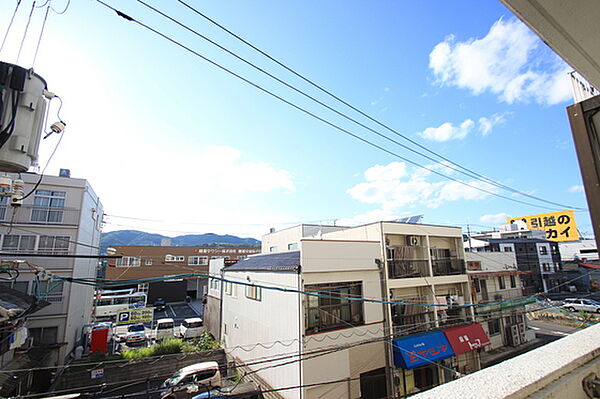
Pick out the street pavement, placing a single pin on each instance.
(550, 331)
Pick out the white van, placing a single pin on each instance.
(164, 329)
(192, 380)
(191, 328)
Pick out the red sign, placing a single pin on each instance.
(466, 338)
(99, 340)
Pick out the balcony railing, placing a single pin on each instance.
(446, 267)
(403, 268)
(412, 324)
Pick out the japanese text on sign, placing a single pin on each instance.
(559, 226)
(415, 356)
(139, 315)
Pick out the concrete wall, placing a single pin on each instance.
(281, 240)
(570, 250)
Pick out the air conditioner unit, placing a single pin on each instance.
(514, 335)
(412, 241)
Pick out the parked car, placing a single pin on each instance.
(191, 380)
(585, 305)
(191, 328)
(136, 334)
(164, 329)
(160, 305)
(247, 390)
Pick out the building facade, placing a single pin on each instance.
(420, 269)
(61, 217)
(496, 284)
(139, 262)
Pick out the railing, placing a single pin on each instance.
(446, 267)
(412, 324)
(403, 268)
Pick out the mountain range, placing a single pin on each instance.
(136, 237)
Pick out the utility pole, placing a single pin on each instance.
(387, 339)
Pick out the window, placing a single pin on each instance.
(129, 261)
(19, 243)
(54, 244)
(543, 250)
(254, 292)
(292, 246)
(3, 207)
(476, 285)
(51, 291)
(48, 206)
(494, 326)
(44, 335)
(149, 262)
(334, 310)
(513, 281)
(214, 284)
(507, 249)
(230, 288)
(198, 260)
(546, 267)
(273, 249)
(501, 283)
(174, 258)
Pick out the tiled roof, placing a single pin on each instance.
(275, 262)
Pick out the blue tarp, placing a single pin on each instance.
(421, 349)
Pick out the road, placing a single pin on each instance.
(550, 331)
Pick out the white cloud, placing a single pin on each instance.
(393, 192)
(447, 131)
(576, 189)
(494, 218)
(487, 124)
(508, 62)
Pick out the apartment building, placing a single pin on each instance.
(139, 262)
(421, 269)
(57, 228)
(496, 281)
(308, 339)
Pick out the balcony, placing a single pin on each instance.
(403, 268)
(413, 324)
(448, 266)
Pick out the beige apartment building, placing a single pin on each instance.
(56, 228)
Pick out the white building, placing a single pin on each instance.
(61, 217)
(581, 249)
(295, 329)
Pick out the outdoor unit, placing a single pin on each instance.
(22, 111)
(412, 241)
(514, 335)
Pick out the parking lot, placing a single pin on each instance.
(176, 311)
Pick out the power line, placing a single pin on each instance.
(10, 25)
(313, 115)
(25, 33)
(468, 172)
(37, 48)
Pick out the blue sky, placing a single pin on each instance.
(163, 135)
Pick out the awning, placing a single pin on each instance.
(421, 349)
(466, 338)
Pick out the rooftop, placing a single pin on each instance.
(275, 262)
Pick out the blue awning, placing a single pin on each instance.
(421, 349)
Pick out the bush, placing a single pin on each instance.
(204, 343)
(168, 346)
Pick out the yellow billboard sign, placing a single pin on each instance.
(139, 315)
(559, 226)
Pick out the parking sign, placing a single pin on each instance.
(131, 316)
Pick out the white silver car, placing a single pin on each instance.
(585, 305)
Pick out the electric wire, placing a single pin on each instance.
(313, 115)
(63, 11)
(37, 48)
(10, 25)
(468, 171)
(25, 33)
